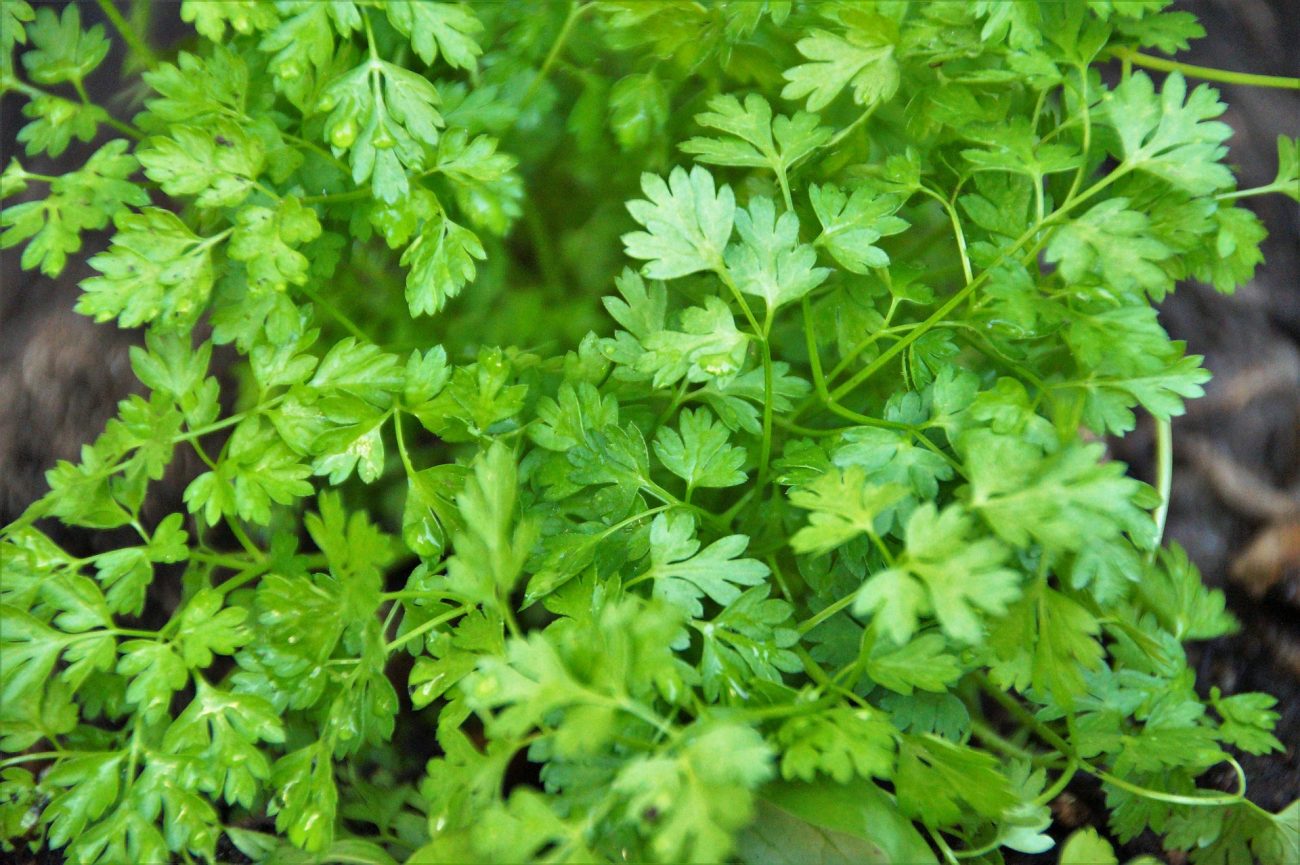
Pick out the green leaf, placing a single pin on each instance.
(210, 17)
(1025, 495)
(207, 628)
(61, 51)
(484, 181)
(683, 573)
(382, 114)
(769, 262)
(701, 453)
(1086, 847)
(748, 640)
(751, 138)
(938, 781)
(687, 224)
(832, 824)
(446, 29)
(1173, 591)
(963, 577)
(90, 785)
(258, 470)
(707, 347)
(218, 164)
(430, 508)
(841, 743)
(852, 224)
(1047, 640)
(863, 56)
(699, 798)
(55, 122)
(353, 441)
(1248, 721)
(1173, 135)
(222, 730)
(441, 260)
(920, 663)
(125, 575)
(157, 268)
(492, 548)
(1113, 244)
(79, 201)
(307, 798)
(12, 32)
(638, 110)
(844, 506)
(266, 240)
(156, 673)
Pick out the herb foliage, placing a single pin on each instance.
(763, 559)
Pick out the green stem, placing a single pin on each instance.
(765, 450)
(337, 314)
(336, 197)
(128, 34)
(813, 432)
(989, 736)
(1023, 716)
(825, 613)
(848, 130)
(1071, 769)
(939, 841)
(960, 297)
(401, 445)
(761, 333)
(575, 11)
(45, 755)
(1288, 188)
(426, 627)
(1164, 478)
(11, 83)
(958, 234)
(244, 541)
(548, 260)
(227, 422)
(814, 358)
(232, 563)
(1207, 73)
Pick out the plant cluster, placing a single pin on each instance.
(805, 548)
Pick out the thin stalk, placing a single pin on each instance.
(1071, 769)
(960, 297)
(425, 628)
(244, 541)
(958, 234)
(814, 432)
(761, 333)
(575, 12)
(46, 755)
(128, 34)
(1023, 716)
(1207, 73)
(401, 445)
(765, 450)
(1164, 478)
(825, 613)
(335, 313)
(814, 358)
(336, 197)
(1288, 188)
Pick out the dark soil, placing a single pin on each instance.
(1236, 493)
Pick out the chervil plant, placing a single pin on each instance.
(805, 548)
